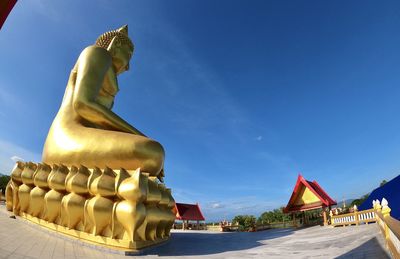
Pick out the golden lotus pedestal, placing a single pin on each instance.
(120, 209)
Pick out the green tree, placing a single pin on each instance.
(247, 222)
(4, 179)
(359, 201)
(382, 183)
(275, 215)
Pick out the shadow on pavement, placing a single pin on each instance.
(370, 249)
(203, 243)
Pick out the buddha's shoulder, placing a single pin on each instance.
(95, 52)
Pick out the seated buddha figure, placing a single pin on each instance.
(85, 131)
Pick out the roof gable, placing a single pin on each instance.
(308, 195)
(305, 196)
(188, 211)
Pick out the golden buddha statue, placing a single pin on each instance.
(99, 178)
(85, 131)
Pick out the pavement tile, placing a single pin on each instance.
(22, 239)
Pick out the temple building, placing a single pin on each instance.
(187, 213)
(308, 196)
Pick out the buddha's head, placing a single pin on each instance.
(119, 45)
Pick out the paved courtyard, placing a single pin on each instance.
(22, 239)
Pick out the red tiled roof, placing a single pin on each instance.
(5, 9)
(314, 187)
(188, 212)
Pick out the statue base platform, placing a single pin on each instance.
(120, 209)
(123, 245)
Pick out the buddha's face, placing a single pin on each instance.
(121, 57)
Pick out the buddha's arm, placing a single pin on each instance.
(93, 64)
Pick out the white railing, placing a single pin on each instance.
(354, 218)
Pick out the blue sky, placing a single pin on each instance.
(242, 95)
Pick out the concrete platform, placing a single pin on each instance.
(22, 239)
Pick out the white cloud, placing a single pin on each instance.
(16, 159)
(9, 152)
(217, 206)
(259, 138)
(228, 208)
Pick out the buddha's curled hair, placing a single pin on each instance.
(122, 36)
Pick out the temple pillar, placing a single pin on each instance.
(305, 218)
(294, 219)
(325, 217)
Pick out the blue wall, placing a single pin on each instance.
(391, 192)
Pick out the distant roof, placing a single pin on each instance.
(5, 9)
(391, 192)
(188, 211)
(321, 198)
